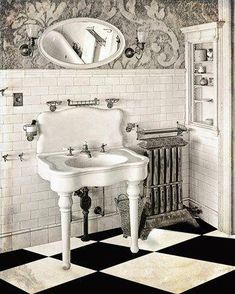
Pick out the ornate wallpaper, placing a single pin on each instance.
(162, 18)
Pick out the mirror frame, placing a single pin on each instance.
(81, 66)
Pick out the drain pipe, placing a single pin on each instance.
(85, 204)
(101, 210)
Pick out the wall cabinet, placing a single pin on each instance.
(201, 62)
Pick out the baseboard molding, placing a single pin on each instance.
(208, 214)
(80, 220)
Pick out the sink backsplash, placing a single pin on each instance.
(30, 214)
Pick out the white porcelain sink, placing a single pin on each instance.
(71, 173)
(98, 160)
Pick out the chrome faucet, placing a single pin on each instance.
(85, 150)
(5, 157)
(103, 148)
(70, 151)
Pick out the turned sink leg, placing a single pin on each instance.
(133, 191)
(65, 204)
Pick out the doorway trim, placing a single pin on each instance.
(225, 201)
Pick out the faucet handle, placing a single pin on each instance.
(85, 146)
(70, 150)
(103, 147)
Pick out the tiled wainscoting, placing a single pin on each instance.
(203, 163)
(29, 209)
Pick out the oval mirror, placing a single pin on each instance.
(81, 43)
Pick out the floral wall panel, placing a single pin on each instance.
(162, 18)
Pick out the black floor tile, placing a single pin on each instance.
(102, 283)
(17, 257)
(105, 234)
(214, 249)
(8, 288)
(188, 228)
(99, 256)
(223, 284)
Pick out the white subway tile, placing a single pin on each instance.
(146, 97)
(49, 220)
(29, 224)
(38, 91)
(30, 82)
(56, 90)
(65, 81)
(81, 81)
(20, 241)
(39, 237)
(18, 217)
(112, 81)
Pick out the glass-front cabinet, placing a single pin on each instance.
(201, 42)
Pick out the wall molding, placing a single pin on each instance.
(56, 72)
(225, 118)
(58, 225)
(199, 204)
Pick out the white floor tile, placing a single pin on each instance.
(168, 272)
(157, 239)
(42, 274)
(53, 248)
(219, 234)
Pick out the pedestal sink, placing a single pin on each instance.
(70, 173)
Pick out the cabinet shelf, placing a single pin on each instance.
(204, 124)
(204, 74)
(203, 100)
(200, 86)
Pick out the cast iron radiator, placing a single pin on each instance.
(164, 181)
(163, 186)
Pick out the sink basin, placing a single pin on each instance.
(95, 171)
(97, 160)
(68, 174)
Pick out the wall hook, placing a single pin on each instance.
(130, 127)
(53, 104)
(21, 156)
(2, 91)
(111, 101)
(5, 157)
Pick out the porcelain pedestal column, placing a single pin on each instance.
(133, 192)
(65, 204)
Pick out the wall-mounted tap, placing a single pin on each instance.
(85, 150)
(2, 91)
(21, 156)
(5, 157)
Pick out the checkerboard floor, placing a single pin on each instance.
(177, 259)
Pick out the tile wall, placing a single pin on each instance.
(29, 212)
(203, 165)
